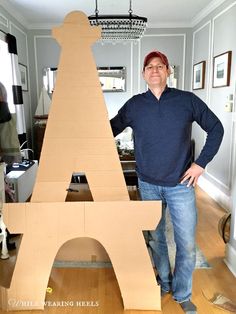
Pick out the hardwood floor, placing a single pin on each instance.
(95, 291)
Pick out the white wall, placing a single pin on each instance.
(128, 54)
(211, 37)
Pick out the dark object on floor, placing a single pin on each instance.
(222, 302)
(224, 227)
(10, 245)
(188, 307)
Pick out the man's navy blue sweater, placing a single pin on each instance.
(162, 133)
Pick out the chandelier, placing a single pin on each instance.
(119, 27)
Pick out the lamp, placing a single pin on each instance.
(119, 27)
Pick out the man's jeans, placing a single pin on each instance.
(180, 201)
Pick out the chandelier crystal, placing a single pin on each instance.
(119, 27)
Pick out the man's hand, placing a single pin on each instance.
(192, 174)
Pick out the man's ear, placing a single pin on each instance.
(143, 74)
(168, 71)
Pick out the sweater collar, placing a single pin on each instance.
(166, 90)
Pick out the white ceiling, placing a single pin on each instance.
(160, 13)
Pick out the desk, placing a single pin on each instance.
(39, 130)
(79, 189)
(129, 171)
(22, 179)
(128, 167)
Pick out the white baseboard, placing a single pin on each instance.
(230, 258)
(214, 192)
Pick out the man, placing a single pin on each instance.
(4, 110)
(161, 119)
(9, 143)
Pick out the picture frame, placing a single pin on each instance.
(199, 75)
(24, 78)
(221, 69)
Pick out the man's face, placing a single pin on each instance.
(155, 73)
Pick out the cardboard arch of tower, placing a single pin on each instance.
(78, 138)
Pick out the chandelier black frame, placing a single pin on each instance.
(119, 27)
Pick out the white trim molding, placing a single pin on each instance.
(3, 20)
(36, 37)
(186, 23)
(219, 191)
(207, 10)
(214, 192)
(230, 258)
(224, 11)
(231, 149)
(139, 65)
(11, 10)
(18, 28)
(208, 23)
(131, 69)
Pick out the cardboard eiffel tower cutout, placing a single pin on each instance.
(78, 138)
